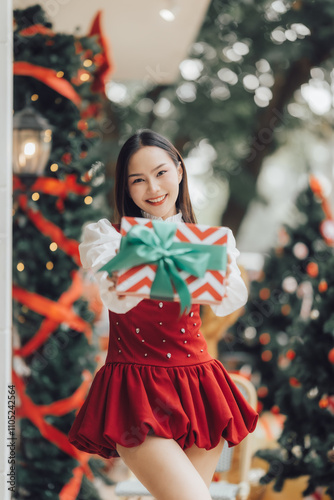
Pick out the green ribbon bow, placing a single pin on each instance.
(141, 245)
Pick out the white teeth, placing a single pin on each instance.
(157, 199)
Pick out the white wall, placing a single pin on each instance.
(5, 235)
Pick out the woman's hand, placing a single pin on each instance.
(113, 280)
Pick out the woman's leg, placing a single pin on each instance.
(164, 469)
(205, 461)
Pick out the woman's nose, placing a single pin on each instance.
(153, 186)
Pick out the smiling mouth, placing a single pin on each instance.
(157, 201)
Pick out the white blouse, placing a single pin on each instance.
(100, 242)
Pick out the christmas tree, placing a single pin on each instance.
(307, 395)
(54, 347)
(287, 329)
(282, 293)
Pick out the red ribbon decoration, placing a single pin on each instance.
(60, 311)
(50, 309)
(35, 413)
(49, 229)
(71, 490)
(49, 77)
(37, 29)
(49, 325)
(106, 66)
(55, 187)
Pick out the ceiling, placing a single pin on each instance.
(143, 45)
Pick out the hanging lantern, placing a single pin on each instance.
(32, 139)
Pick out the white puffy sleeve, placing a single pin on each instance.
(236, 290)
(99, 244)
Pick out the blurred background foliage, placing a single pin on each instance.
(256, 72)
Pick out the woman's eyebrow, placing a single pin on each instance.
(155, 168)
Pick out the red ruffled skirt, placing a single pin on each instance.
(155, 381)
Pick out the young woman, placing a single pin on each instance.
(160, 402)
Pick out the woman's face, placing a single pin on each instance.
(153, 181)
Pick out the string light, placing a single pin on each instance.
(60, 74)
(20, 266)
(53, 246)
(34, 97)
(48, 135)
(49, 265)
(250, 332)
(54, 167)
(87, 63)
(35, 196)
(84, 77)
(314, 314)
(88, 200)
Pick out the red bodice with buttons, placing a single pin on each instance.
(152, 333)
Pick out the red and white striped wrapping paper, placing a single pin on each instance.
(207, 290)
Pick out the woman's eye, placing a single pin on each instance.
(158, 175)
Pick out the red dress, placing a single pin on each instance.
(160, 378)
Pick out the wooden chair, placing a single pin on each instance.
(219, 490)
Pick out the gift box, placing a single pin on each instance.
(171, 261)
